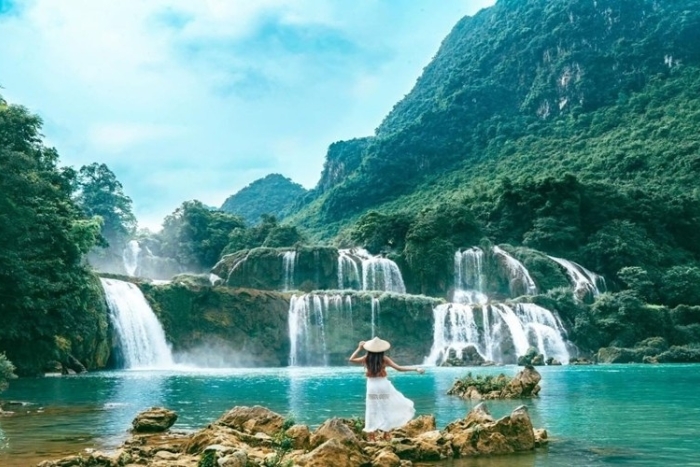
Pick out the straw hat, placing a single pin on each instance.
(376, 345)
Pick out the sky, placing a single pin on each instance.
(197, 99)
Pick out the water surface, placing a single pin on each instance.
(597, 415)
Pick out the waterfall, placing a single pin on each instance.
(307, 328)
(469, 277)
(502, 334)
(141, 336)
(348, 271)
(289, 261)
(375, 315)
(130, 257)
(584, 281)
(378, 273)
(520, 281)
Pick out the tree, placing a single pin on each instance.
(99, 193)
(44, 286)
(195, 235)
(7, 371)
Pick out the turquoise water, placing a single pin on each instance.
(595, 415)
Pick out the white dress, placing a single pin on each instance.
(386, 408)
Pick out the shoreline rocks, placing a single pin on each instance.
(256, 436)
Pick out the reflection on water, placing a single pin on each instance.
(632, 414)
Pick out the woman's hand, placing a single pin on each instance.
(359, 346)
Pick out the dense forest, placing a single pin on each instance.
(272, 195)
(567, 128)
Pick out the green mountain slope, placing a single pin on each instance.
(600, 89)
(273, 195)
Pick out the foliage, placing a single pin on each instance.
(271, 195)
(282, 444)
(45, 289)
(99, 193)
(208, 459)
(268, 233)
(7, 370)
(195, 235)
(379, 232)
(483, 384)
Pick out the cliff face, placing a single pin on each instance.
(222, 326)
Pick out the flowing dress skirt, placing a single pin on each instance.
(386, 408)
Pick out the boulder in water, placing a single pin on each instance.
(154, 420)
(525, 384)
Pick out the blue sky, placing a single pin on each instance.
(197, 99)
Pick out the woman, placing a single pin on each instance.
(386, 408)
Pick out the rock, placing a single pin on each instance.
(580, 361)
(651, 360)
(415, 427)
(386, 458)
(524, 384)
(236, 440)
(531, 357)
(236, 459)
(479, 415)
(154, 420)
(336, 429)
(252, 420)
(540, 437)
(432, 446)
(333, 453)
(470, 357)
(478, 434)
(300, 435)
(552, 361)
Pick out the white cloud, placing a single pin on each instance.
(195, 99)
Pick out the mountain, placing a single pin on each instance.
(601, 89)
(273, 195)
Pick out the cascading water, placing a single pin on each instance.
(520, 281)
(584, 281)
(141, 336)
(130, 257)
(378, 273)
(498, 332)
(289, 261)
(308, 315)
(469, 277)
(375, 315)
(348, 271)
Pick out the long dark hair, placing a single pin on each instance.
(374, 363)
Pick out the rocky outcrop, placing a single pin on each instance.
(256, 436)
(154, 420)
(312, 268)
(531, 357)
(652, 350)
(524, 385)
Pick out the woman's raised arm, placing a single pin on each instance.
(354, 358)
(391, 363)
